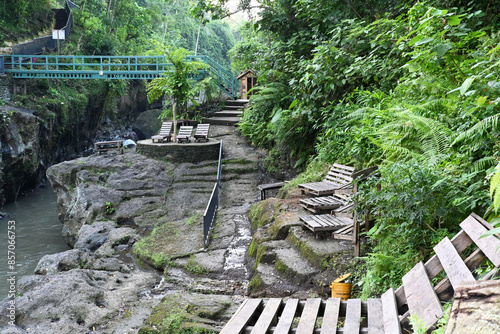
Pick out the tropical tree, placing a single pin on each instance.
(178, 82)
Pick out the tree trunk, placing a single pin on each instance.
(109, 8)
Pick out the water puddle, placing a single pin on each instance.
(236, 252)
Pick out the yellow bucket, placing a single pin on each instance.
(341, 290)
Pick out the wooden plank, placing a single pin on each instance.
(353, 316)
(390, 313)
(331, 316)
(241, 318)
(452, 263)
(460, 241)
(267, 317)
(488, 245)
(422, 300)
(286, 318)
(375, 316)
(309, 316)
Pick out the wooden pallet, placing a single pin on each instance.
(323, 203)
(325, 223)
(315, 315)
(416, 296)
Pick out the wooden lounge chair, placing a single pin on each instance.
(165, 133)
(184, 135)
(338, 181)
(201, 132)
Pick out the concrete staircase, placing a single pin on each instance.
(231, 114)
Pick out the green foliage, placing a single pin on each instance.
(415, 208)
(194, 267)
(109, 208)
(177, 82)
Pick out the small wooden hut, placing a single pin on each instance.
(248, 80)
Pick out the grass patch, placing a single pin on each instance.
(194, 267)
(256, 283)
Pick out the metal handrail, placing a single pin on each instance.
(213, 203)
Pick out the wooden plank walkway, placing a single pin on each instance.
(388, 314)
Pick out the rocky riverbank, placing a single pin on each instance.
(138, 264)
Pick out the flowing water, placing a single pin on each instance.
(37, 233)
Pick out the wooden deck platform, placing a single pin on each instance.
(418, 295)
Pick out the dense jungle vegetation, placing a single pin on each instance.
(410, 86)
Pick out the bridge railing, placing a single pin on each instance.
(227, 80)
(110, 67)
(2, 67)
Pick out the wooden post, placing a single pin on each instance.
(355, 229)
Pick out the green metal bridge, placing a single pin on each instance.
(111, 67)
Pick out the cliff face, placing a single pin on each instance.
(31, 140)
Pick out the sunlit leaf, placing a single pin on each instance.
(465, 86)
(441, 49)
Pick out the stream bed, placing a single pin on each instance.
(37, 233)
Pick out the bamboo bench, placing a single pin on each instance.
(105, 146)
(389, 313)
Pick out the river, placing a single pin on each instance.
(37, 233)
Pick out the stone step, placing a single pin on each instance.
(228, 113)
(291, 264)
(231, 107)
(240, 102)
(222, 120)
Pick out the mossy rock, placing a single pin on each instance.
(187, 313)
(259, 237)
(318, 252)
(169, 241)
(280, 227)
(262, 213)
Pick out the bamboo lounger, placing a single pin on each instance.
(417, 295)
